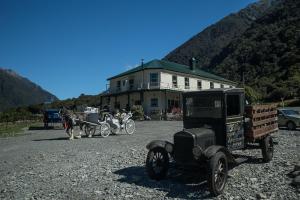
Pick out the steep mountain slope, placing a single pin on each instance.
(208, 43)
(19, 91)
(268, 53)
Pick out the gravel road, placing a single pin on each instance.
(44, 164)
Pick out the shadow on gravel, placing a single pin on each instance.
(38, 128)
(178, 184)
(50, 139)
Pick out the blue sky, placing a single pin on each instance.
(72, 47)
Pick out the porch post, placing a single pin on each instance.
(128, 100)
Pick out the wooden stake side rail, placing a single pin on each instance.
(263, 121)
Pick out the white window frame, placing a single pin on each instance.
(175, 81)
(153, 83)
(186, 82)
(199, 81)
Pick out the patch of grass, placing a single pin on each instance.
(14, 129)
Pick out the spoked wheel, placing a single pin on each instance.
(267, 148)
(130, 126)
(105, 130)
(217, 173)
(157, 163)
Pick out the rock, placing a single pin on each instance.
(253, 179)
(261, 196)
(107, 173)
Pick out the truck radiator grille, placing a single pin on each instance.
(183, 150)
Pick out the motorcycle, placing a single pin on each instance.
(121, 121)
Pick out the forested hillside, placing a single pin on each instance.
(268, 53)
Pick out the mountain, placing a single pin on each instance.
(209, 42)
(16, 90)
(266, 51)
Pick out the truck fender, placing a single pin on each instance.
(212, 150)
(158, 143)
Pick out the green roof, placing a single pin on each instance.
(175, 67)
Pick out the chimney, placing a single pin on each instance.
(193, 63)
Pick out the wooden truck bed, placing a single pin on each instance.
(263, 121)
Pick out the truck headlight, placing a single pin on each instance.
(169, 148)
(197, 151)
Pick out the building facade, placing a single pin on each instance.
(158, 86)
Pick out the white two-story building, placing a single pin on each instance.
(158, 86)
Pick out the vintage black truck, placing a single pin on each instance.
(216, 122)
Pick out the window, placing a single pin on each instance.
(131, 84)
(233, 105)
(199, 84)
(154, 102)
(153, 79)
(222, 86)
(186, 83)
(203, 107)
(174, 81)
(124, 83)
(211, 85)
(231, 86)
(118, 85)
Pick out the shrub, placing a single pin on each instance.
(137, 112)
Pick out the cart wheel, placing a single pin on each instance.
(105, 130)
(157, 163)
(217, 173)
(130, 127)
(267, 149)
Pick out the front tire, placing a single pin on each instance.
(105, 130)
(217, 173)
(130, 127)
(291, 125)
(267, 149)
(157, 163)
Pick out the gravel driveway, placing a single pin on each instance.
(43, 164)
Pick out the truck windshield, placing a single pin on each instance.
(203, 107)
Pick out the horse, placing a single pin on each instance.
(70, 120)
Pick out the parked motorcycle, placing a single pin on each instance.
(121, 121)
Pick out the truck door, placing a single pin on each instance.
(234, 121)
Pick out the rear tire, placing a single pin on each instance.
(157, 163)
(217, 173)
(267, 148)
(291, 125)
